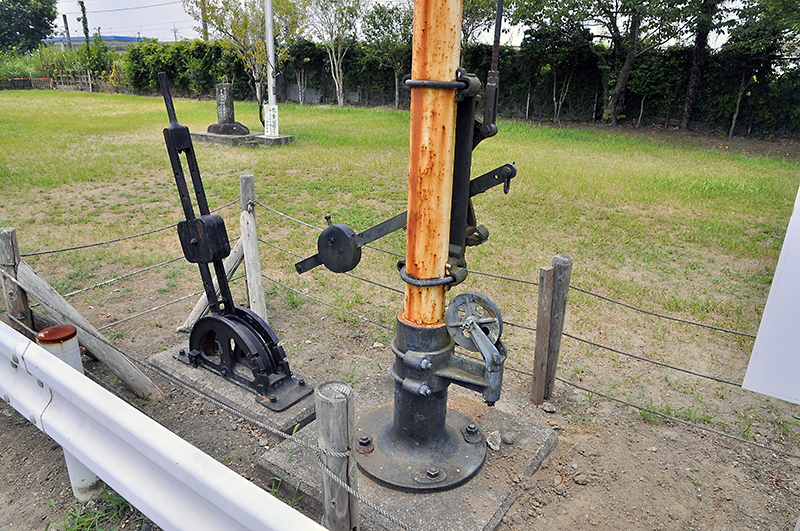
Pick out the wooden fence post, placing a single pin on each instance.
(562, 266)
(88, 335)
(546, 274)
(336, 432)
(252, 259)
(15, 297)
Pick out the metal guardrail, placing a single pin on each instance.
(166, 478)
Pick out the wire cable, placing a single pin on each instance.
(115, 240)
(662, 316)
(666, 365)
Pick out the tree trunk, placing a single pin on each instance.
(397, 89)
(625, 73)
(742, 88)
(564, 91)
(619, 88)
(641, 111)
(555, 100)
(699, 56)
(259, 99)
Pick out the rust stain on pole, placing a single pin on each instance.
(437, 37)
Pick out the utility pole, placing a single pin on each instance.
(271, 112)
(203, 16)
(174, 33)
(66, 32)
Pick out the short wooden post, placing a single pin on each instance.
(336, 432)
(252, 260)
(562, 266)
(15, 297)
(88, 335)
(231, 264)
(546, 274)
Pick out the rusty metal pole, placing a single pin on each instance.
(437, 37)
(421, 445)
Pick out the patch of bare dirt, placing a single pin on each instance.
(612, 469)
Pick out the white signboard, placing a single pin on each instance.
(774, 367)
(270, 120)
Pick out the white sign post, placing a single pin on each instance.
(774, 368)
(271, 109)
(270, 120)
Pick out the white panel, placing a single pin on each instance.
(774, 367)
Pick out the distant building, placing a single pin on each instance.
(114, 42)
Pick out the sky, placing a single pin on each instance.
(132, 18)
(154, 19)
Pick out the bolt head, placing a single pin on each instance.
(364, 440)
(273, 398)
(472, 429)
(301, 383)
(432, 473)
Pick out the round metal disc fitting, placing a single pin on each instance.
(481, 309)
(337, 248)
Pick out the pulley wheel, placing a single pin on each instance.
(471, 304)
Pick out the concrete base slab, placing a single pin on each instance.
(251, 140)
(480, 504)
(228, 392)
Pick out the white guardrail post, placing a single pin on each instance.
(166, 478)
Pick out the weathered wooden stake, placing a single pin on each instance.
(252, 259)
(546, 274)
(562, 266)
(88, 335)
(15, 298)
(336, 427)
(231, 264)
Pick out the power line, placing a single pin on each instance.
(127, 8)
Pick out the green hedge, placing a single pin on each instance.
(193, 68)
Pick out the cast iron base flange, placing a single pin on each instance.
(442, 463)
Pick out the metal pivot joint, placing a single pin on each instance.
(233, 342)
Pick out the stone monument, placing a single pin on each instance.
(226, 125)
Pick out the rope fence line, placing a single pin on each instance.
(266, 426)
(156, 308)
(328, 304)
(662, 316)
(395, 290)
(482, 273)
(123, 277)
(232, 409)
(654, 362)
(534, 283)
(116, 240)
(374, 283)
(679, 420)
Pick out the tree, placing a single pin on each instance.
(334, 23)
(304, 58)
(477, 16)
(388, 30)
(632, 28)
(24, 23)
(558, 52)
(752, 52)
(703, 26)
(240, 25)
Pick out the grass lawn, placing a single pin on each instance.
(674, 228)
